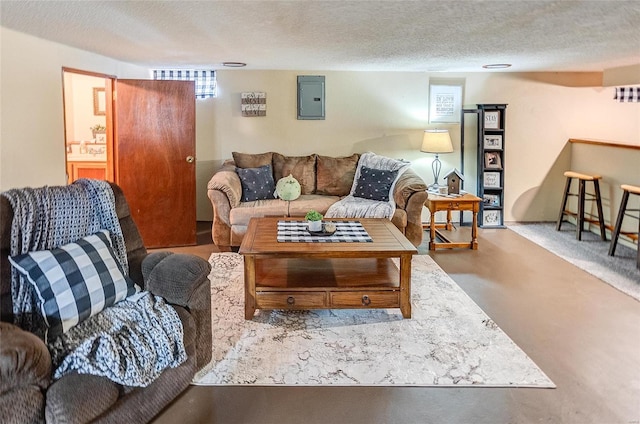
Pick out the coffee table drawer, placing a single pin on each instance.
(290, 300)
(365, 299)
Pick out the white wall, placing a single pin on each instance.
(32, 151)
(380, 111)
(387, 112)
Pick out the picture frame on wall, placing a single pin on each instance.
(493, 141)
(492, 160)
(492, 180)
(445, 103)
(99, 101)
(492, 120)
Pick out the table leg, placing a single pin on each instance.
(432, 230)
(405, 285)
(474, 231)
(249, 286)
(449, 226)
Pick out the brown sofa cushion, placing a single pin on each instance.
(335, 175)
(251, 160)
(303, 169)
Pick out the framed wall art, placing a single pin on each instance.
(492, 160)
(492, 180)
(99, 101)
(491, 217)
(492, 119)
(254, 104)
(445, 103)
(492, 200)
(493, 141)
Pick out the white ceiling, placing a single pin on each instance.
(432, 36)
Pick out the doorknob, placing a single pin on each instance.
(190, 159)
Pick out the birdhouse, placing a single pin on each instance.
(454, 178)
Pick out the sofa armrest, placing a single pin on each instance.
(175, 277)
(24, 359)
(410, 193)
(407, 185)
(227, 181)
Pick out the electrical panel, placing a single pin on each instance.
(311, 97)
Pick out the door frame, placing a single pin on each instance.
(109, 86)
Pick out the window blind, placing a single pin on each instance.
(627, 94)
(205, 80)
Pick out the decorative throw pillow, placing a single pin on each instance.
(303, 169)
(335, 175)
(251, 160)
(375, 184)
(257, 183)
(372, 160)
(75, 281)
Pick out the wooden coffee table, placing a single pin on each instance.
(293, 275)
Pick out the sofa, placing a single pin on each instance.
(27, 392)
(324, 180)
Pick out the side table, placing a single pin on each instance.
(466, 202)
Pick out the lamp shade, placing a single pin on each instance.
(436, 141)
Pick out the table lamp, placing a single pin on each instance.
(436, 141)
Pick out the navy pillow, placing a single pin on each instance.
(375, 184)
(257, 183)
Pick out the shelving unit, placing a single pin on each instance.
(491, 163)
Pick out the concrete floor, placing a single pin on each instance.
(584, 334)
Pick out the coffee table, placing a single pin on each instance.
(294, 275)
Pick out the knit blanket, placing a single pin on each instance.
(357, 207)
(48, 217)
(130, 342)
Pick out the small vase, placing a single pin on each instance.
(315, 226)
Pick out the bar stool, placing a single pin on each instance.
(626, 190)
(580, 215)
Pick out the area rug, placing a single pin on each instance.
(449, 340)
(591, 254)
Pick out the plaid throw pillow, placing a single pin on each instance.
(75, 281)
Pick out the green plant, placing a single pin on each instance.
(313, 216)
(98, 127)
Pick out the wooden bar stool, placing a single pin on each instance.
(626, 190)
(580, 215)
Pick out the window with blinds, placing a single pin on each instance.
(205, 80)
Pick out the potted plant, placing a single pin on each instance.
(98, 129)
(315, 220)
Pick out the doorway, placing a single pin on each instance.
(88, 125)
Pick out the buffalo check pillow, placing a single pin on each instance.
(75, 281)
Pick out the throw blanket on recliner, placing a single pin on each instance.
(51, 216)
(130, 342)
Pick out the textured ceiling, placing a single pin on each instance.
(343, 35)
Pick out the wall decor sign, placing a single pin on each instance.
(254, 104)
(492, 120)
(445, 103)
(492, 180)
